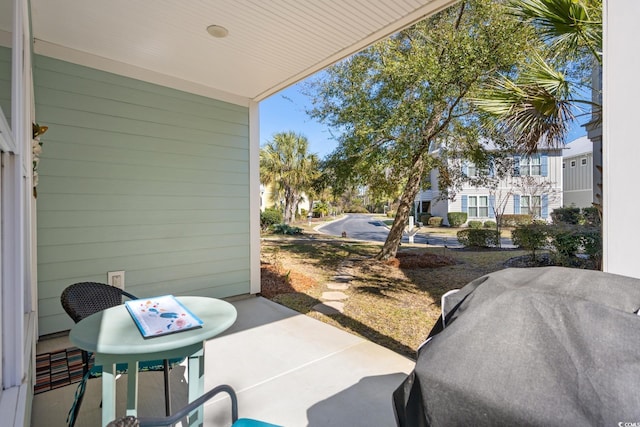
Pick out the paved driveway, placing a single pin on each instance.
(371, 228)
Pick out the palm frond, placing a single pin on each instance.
(566, 24)
(535, 110)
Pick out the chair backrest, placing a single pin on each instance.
(86, 298)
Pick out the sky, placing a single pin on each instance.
(285, 111)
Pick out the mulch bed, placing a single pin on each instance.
(410, 260)
(275, 281)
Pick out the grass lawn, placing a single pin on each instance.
(388, 304)
(449, 231)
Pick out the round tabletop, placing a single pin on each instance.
(113, 331)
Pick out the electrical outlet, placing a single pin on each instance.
(116, 278)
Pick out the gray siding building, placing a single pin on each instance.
(577, 173)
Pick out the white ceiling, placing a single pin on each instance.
(271, 43)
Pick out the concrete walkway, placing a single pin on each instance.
(334, 296)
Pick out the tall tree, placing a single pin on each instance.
(395, 99)
(286, 164)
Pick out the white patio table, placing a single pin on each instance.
(114, 338)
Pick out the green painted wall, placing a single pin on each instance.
(5, 82)
(141, 178)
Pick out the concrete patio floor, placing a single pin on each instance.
(287, 369)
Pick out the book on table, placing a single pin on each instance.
(156, 316)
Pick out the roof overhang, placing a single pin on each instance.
(271, 44)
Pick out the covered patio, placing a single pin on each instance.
(287, 368)
(150, 166)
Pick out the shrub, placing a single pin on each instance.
(474, 224)
(435, 221)
(566, 240)
(270, 217)
(591, 216)
(477, 237)
(569, 215)
(456, 219)
(356, 209)
(424, 218)
(592, 244)
(303, 213)
(489, 224)
(530, 237)
(285, 229)
(391, 214)
(320, 209)
(514, 220)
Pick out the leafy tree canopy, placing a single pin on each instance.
(403, 95)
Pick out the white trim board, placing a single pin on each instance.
(90, 60)
(254, 196)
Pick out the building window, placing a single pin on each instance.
(583, 161)
(531, 205)
(478, 207)
(530, 165)
(474, 171)
(573, 163)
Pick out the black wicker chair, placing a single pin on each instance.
(83, 299)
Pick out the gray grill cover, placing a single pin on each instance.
(542, 347)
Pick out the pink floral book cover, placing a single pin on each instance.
(161, 315)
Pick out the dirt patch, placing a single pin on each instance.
(412, 260)
(276, 281)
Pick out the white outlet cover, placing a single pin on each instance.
(116, 278)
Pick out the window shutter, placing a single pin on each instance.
(491, 168)
(516, 165)
(544, 211)
(492, 206)
(516, 204)
(465, 168)
(544, 164)
(464, 202)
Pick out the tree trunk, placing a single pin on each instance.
(402, 215)
(290, 205)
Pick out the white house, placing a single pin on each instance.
(577, 173)
(532, 186)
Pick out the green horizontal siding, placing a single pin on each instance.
(140, 178)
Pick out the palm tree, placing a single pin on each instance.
(286, 164)
(538, 105)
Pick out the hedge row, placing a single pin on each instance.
(514, 220)
(477, 237)
(564, 240)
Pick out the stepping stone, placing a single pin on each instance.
(329, 307)
(343, 278)
(334, 296)
(338, 286)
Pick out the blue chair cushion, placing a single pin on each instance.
(121, 368)
(247, 422)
